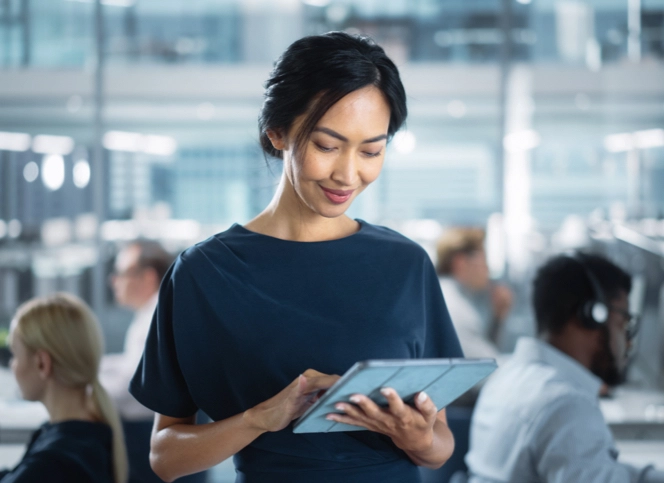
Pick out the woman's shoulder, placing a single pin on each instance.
(73, 450)
(73, 435)
(381, 235)
(210, 248)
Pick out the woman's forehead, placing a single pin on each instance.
(365, 108)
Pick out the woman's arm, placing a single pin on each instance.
(180, 447)
(420, 431)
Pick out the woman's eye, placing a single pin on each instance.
(325, 149)
(372, 155)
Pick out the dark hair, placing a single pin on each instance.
(316, 72)
(153, 255)
(561, 287)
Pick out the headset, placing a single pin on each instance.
(595, 312)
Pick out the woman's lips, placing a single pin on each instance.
(337, 196)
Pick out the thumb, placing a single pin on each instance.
(309, 384)
(301, 384)
(426, 405)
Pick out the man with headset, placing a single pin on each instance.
(538, 418)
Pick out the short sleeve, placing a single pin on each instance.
(159, 383)
(441, 339)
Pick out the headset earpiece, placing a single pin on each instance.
(594, 312)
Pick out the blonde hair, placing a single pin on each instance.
(65, 327)
(454, 241)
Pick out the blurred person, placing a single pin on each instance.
(478, 306)
(538, 417)
(254, 322)
(139, 269)
(57, 344)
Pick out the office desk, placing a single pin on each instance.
(636, 419)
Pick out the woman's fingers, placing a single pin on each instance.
(426, 406)
(310, 383)
(364, 408)
(395, 403)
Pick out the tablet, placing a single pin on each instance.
(444, 380)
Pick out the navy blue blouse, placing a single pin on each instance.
(242, 314)
(66, 452)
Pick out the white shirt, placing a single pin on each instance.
(538, 420)
(118, 369)
(471, 326)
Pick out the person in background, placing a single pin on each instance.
(139, 269)
(57, 344)
(477, 306)
(538, 418)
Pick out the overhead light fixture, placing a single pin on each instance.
(646, 139)
(650, 138)
(159, 145)
(81, 173)
(31, 171)
(53, 171)
(616, 143)
(46, 144)
(123, 141)
(14, 141)
(139, 143)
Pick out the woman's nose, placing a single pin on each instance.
(345, 169)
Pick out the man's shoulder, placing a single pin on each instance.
(529, 389)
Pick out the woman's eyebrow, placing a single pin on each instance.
(335, 134)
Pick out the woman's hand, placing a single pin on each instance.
(278, 411)
(411, 428)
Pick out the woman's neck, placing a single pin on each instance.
(288, 219)
(66, 403)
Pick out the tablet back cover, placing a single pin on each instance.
(444, 380)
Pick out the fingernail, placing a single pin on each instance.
(421, 397)
(339, 406)
(329, 417)
(386, 391)
(355, 399)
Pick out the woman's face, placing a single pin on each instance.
(25, 366)
(344, 154)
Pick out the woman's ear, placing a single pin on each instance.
(44, 364)
(277, 139)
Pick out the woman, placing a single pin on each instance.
(56, 344)
(254, 322)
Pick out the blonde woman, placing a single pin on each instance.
(57, 345)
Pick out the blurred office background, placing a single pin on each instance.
(541, 120)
